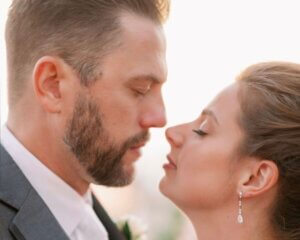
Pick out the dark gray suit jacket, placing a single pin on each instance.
(25, 216)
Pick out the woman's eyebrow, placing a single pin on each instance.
(210, 113)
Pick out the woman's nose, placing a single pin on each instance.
(174, 136)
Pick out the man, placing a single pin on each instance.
(84, 82)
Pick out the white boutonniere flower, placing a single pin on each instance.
(132, 227)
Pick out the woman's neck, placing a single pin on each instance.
(212, 226)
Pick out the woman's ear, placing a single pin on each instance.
(48, 74)
(258, 177)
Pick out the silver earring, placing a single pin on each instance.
(240, 218)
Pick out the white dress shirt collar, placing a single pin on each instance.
(67, 206)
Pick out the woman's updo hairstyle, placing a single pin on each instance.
(270, 104)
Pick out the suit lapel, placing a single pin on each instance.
(33, 219)
(113, 232)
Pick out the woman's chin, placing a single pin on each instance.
(164, 187)
(162, 184)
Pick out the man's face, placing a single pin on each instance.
(111, 119)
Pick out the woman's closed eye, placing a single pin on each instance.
(200, 132)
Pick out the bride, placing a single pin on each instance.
(235, 170)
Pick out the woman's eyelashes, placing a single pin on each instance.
(200, 132)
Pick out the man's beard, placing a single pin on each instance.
(93, 147)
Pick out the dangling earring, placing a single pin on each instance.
(240, 218)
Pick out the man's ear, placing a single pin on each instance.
(258, 177)
(48, 74)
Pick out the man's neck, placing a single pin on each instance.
(38, 142)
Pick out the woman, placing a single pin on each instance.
(235, 171)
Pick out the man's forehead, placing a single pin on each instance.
(133, 24)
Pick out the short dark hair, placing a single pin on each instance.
(78, 31)
(270, 103)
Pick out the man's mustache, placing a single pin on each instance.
(138, 139)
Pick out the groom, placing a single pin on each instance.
(84, 88)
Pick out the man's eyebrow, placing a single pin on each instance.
(210, 113)
(147, 77)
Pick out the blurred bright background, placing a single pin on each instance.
(209, 43)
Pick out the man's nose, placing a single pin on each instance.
(155, 117)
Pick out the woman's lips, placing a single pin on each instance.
(170, 165)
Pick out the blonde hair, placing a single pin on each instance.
(270, 103)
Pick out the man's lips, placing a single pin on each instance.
(140, 145)
(136, 150)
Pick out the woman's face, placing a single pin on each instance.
(203, 163)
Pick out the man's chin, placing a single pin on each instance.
(127, 177)
(118, 182)
(129, 170)
(121, 179)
